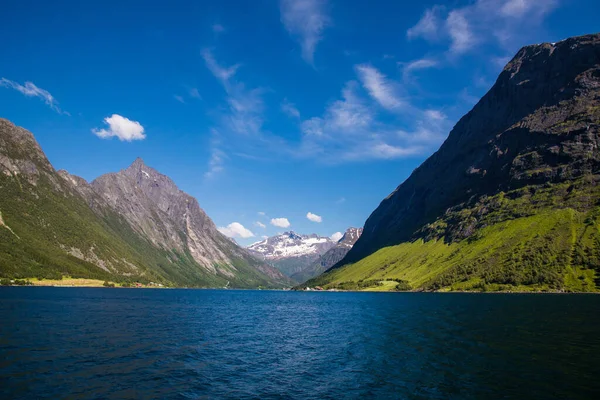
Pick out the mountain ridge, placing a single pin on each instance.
(291, 252)
(528, 148)
(118, 226)
(331, 257)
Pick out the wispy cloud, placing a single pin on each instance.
(235, 229)
(193, 92)
(260, 224)
(179, 98)
(383, 91)
(305, 20)
(428, 26)
(122, 128)
(218, 28)
(505, 22)
(290, 109)
(462, 38)
(352, 128)
(411, 67)
(222, 73)
(372, 119)
(245, 105)
(217, 156)
(29, 89)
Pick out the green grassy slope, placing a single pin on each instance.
(45, 220)
(535, 238)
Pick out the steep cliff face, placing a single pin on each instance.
(537, 124)
(511, 197)
(131, 225)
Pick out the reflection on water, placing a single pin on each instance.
(133, 343)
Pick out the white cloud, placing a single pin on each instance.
(236, 229)
(122, 128)
(336, 236)
(378, 87)
(290, 109)
(260, 224)
(280, 222)
(262, 213)
(179, 99)
(305, 20)
(314, 217)
(428, 25)
(31, 90)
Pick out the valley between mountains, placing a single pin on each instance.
(510, 202)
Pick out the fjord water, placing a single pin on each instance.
(134, 343)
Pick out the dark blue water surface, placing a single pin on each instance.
(136, 343)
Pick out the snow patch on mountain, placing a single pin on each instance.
(291, 244)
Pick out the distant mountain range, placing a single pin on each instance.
(302, 257)
(133, 225)
(511, 200)
(330, 258)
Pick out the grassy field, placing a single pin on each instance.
(67, 282)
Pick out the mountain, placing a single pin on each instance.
(331, 257)
(134, 225)
(290, 252)
(510, 200)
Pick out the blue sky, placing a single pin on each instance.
(265, 111)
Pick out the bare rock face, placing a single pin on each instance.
(538, 124)
(20, 154)
(168, 217)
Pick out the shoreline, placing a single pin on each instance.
(101, 286)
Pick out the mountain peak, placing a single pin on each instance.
(137, 163)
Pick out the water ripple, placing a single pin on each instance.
(196, 344)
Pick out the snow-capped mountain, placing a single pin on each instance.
(291, 252)
(332, 257)
(291, 244)
(350, 237)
